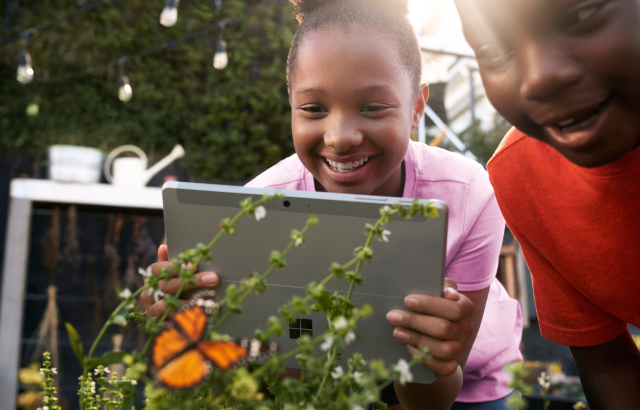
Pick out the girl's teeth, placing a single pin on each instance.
(348, 166)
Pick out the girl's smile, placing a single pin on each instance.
(353, 108)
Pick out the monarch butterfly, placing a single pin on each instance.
(182, 359)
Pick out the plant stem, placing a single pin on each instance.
(195, 265)
(288, 355)
(263, 277)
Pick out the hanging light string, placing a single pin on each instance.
(168, 45)
(55, 22)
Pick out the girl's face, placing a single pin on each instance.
(352, 111)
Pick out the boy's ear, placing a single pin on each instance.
(418, 106)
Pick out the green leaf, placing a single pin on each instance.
(106, 359)
(76, 344)
(120, 320)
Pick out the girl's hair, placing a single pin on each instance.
(386, 16)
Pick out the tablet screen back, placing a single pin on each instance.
(411, 262)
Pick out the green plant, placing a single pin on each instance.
(323, 382)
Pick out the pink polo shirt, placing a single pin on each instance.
(474, 239)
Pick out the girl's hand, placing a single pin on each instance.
(442, 324)
(156, 309)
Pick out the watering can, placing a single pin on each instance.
(132, 171)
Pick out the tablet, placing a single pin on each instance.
(412, 262)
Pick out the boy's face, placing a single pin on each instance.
(566, 72)
(352, 111)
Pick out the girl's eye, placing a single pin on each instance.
(314, 109)
(372, 108)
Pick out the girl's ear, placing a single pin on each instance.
(418, 105)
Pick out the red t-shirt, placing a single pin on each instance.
(579, 229)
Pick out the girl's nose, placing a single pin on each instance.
(547, 69)
(343, 134)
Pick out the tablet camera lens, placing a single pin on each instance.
(287, 204)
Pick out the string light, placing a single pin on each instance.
(220, 58)
(164, 46)
(25, 71)
(124, 92)
(169, 15)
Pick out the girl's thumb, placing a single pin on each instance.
(163, 253)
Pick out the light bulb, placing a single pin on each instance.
(169, 15)
(25, 71)
(220, 59)
(125, 92)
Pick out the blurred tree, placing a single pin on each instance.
(233, 122)
(482, 142)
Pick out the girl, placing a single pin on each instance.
(354, 73)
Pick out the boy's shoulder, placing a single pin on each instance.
(433, 164)
(286, 174)
(514, 144)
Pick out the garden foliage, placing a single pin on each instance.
(233, 122)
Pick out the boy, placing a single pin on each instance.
(566, 74)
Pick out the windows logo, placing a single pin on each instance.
(300, 327)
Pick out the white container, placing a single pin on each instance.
(69, 163)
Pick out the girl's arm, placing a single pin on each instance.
(450, 345)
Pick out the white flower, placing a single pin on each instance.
(299, 241)
(260, 213)
(328, 341)
(543, 381)
(96, 371)
(42, 370)
(403, 368)
(54, 370)
(337, 372)
(134, 382)
(93, 387)
(158, 294)
(357, 376)
(106, 370)
(45, 407)
(146, 273)
(385, 235)
(349, 337)
(125, 294)
(340, 323)
(356, 407)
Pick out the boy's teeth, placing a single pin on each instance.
(566, 122)
(582, 124)
(346, 166)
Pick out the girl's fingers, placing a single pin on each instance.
(444, 350)
(454, 306)
(203, 280)
(448, 283)
(440, 367)
(436, 327)
(158, 308)
(163, 253)
(155, 268)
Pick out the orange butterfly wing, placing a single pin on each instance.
(223, 354)
(192, 322)
(185, 371)
(167, 345)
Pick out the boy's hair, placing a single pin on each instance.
(386, 16)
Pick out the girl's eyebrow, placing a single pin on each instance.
(363, 89)
(311, 89)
